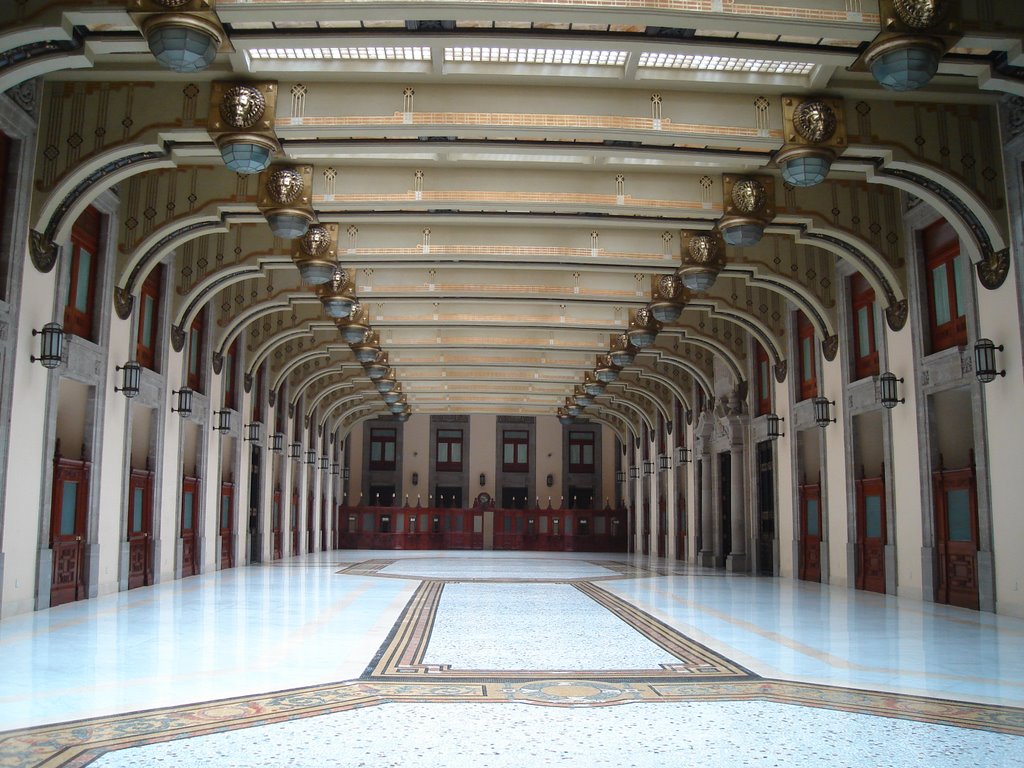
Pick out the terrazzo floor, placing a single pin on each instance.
(499, 659)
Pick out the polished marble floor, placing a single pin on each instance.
(357, 657)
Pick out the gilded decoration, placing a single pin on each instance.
(993, 269)
(896, 315)
(815, 121)
(123, 302)
(748, 196)
(284, 186)
(42, 251)
(242, 106)
(173, 4)
(920, 14)
(703, 249)
(218, 362)
(830, 347)
(643, 316)
(669, 286)
(781, 368)
(316, 241)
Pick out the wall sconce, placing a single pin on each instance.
(887, 390)
(335, 469)
(550, 480)
(325, 463)
(130, 378)
(311, 458)
(223, 424)
(985, 360)
(822, 412)
(634, 473)
(51, 347)
(775, 426)
(184, 396)
(277, 442)
(664, 462)
(252, 432)
(346, 473)
(682, 455)
(483, 479)
(295, 451)
(415, 478)
(648, 468)
(620, 476)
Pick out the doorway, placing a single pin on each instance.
(189, 543)
(810, 532)
(140, 528)
(725, 510)
(956, 537)
(765, 509)
(67, 530)
(871, 527)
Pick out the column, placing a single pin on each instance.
(707, 531)
(737, 560)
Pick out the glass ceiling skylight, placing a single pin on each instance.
(723, 64)
(367, 53)
(536, 56)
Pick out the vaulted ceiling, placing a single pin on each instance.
(505, 180)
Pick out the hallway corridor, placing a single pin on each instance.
(384, 658)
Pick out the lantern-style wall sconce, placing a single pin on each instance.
(346, 473)
(620, 476)
(483, 479)
(415, 478)
(277, 442)
(51, 346)
(634, 473)
(335, 469)
(648, 468)
(184, 396)
(985, 360)
(130, 378)
(549, 480)
(222, 421)
(295, 451)
(887, 392)
(325, 463)
(683, 455)
(252, 432)
(664, 462)
(775, 426)
(311, 458)
(822, 411)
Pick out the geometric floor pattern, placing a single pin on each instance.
(431, 670)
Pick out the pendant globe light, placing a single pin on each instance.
(606, 371)
(284, 199)
(643, 328)
(316, 258)
(668, 298)
(815, 135)
(749, 206)
(337, 294)
(703, 257)
(242, 124)
(622, 352)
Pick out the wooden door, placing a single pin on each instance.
(645, 529)
(680, 527)
(871, 537)
(275, 522)
(810, 532)
(140, 528)
(323, 524)
(765, 509)
(662, 527)
(68, 515)
(227, 524)
(956, 537)
(295, 521)
(189, 542)
(310, 525)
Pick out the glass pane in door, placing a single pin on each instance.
(68, 507)
(186, 514)
(136, 510)
(812, 517)
(873, 517)
(958, 514)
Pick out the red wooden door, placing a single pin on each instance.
(276, 522)
(680, 527)
(189, 507)
(310, 526)
(67, 529)
(323, 523)
(645, 538)
(227, 524)
(956, 537)
(871, 537)
(810, 532)
(140, 528)
(662, 527)
(295, 521)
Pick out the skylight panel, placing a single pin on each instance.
(695, 63)
(360, 53)
(571, 56)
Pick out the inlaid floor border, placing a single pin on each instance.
(76, 744)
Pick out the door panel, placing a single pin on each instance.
(956, 537)
(810, 532)
(871, 534)
(68, 530)
(140, 528)
(276, 522)
(227, 524)
(189, 525)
